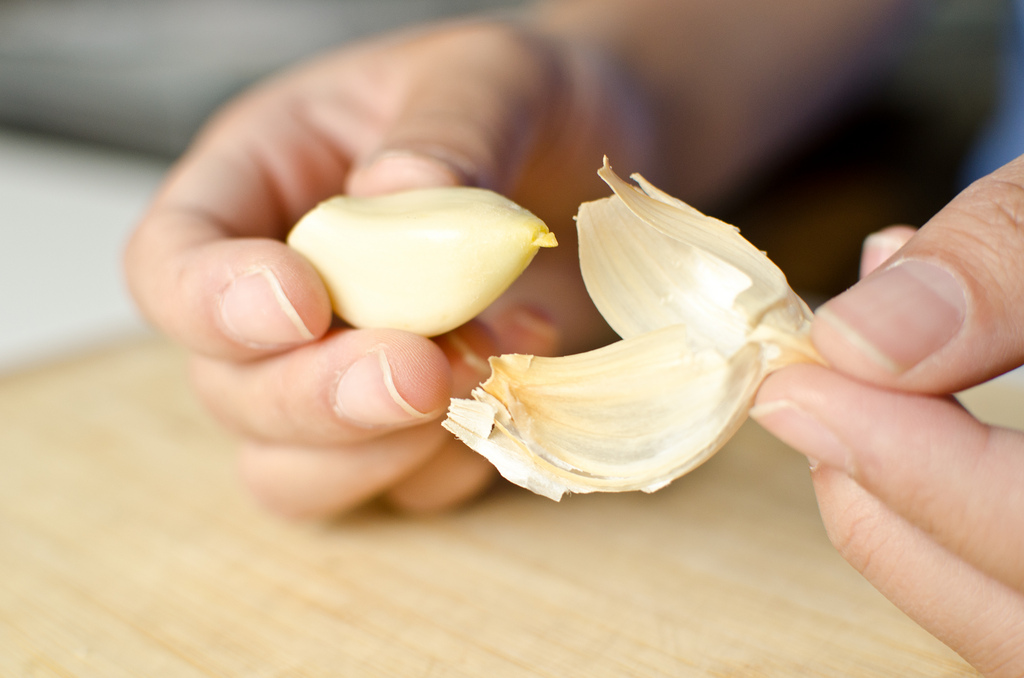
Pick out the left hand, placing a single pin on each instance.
(923, 499)
(332, 417)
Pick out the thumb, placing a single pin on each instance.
(944, 313)
(474, 98)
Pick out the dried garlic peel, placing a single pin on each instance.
(450, 252)
(704, 317)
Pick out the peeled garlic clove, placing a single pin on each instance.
(705, 316)
(629, 416)
(424, 261)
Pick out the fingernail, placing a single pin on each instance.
(899, 316)
(796, 427)
(255, 311)
(392, 171)
(532, 331)
(366, 394)
(877, 249)
(464, 350)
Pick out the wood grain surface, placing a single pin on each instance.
(127, 548)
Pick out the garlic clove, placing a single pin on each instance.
(424, 261)
(632, 415)
(705, 317)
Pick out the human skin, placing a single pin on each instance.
(699, 96)
(924, 500)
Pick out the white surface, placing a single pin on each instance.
(65, 212)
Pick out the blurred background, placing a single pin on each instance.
(97, 98)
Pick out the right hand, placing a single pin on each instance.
(331, 417)
(919, 496)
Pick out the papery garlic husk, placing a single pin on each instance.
(650, 260)
(704, 317)
(423, 261)
(628, 416)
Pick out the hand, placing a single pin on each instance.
(331, 417)
(925, 501)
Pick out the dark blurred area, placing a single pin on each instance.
(897, 159)
(142, 75)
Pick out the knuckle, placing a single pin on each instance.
(262, 402)
(994, 215)
(984, 239)
(1000, 202)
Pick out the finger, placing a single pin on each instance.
(924, 457)
(315, 481)
(456, 474)
(880, 246)
(945, 312)
(232, 299)
(520, 118)
(980, 618)
(309, 482)
(427, 467)
(524, 328)
(453, 475)
(465, 121)
(354, 385)
(204, 265)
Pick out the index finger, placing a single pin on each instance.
(977, 616)
(923, 456)
(944, 313)
(207, 265)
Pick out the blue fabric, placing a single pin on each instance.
(1004, 139)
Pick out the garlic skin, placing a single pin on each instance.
(633, 415)
(650, 260)
(704, 317)
(424, 261)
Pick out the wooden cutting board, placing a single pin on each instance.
(127, 548)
